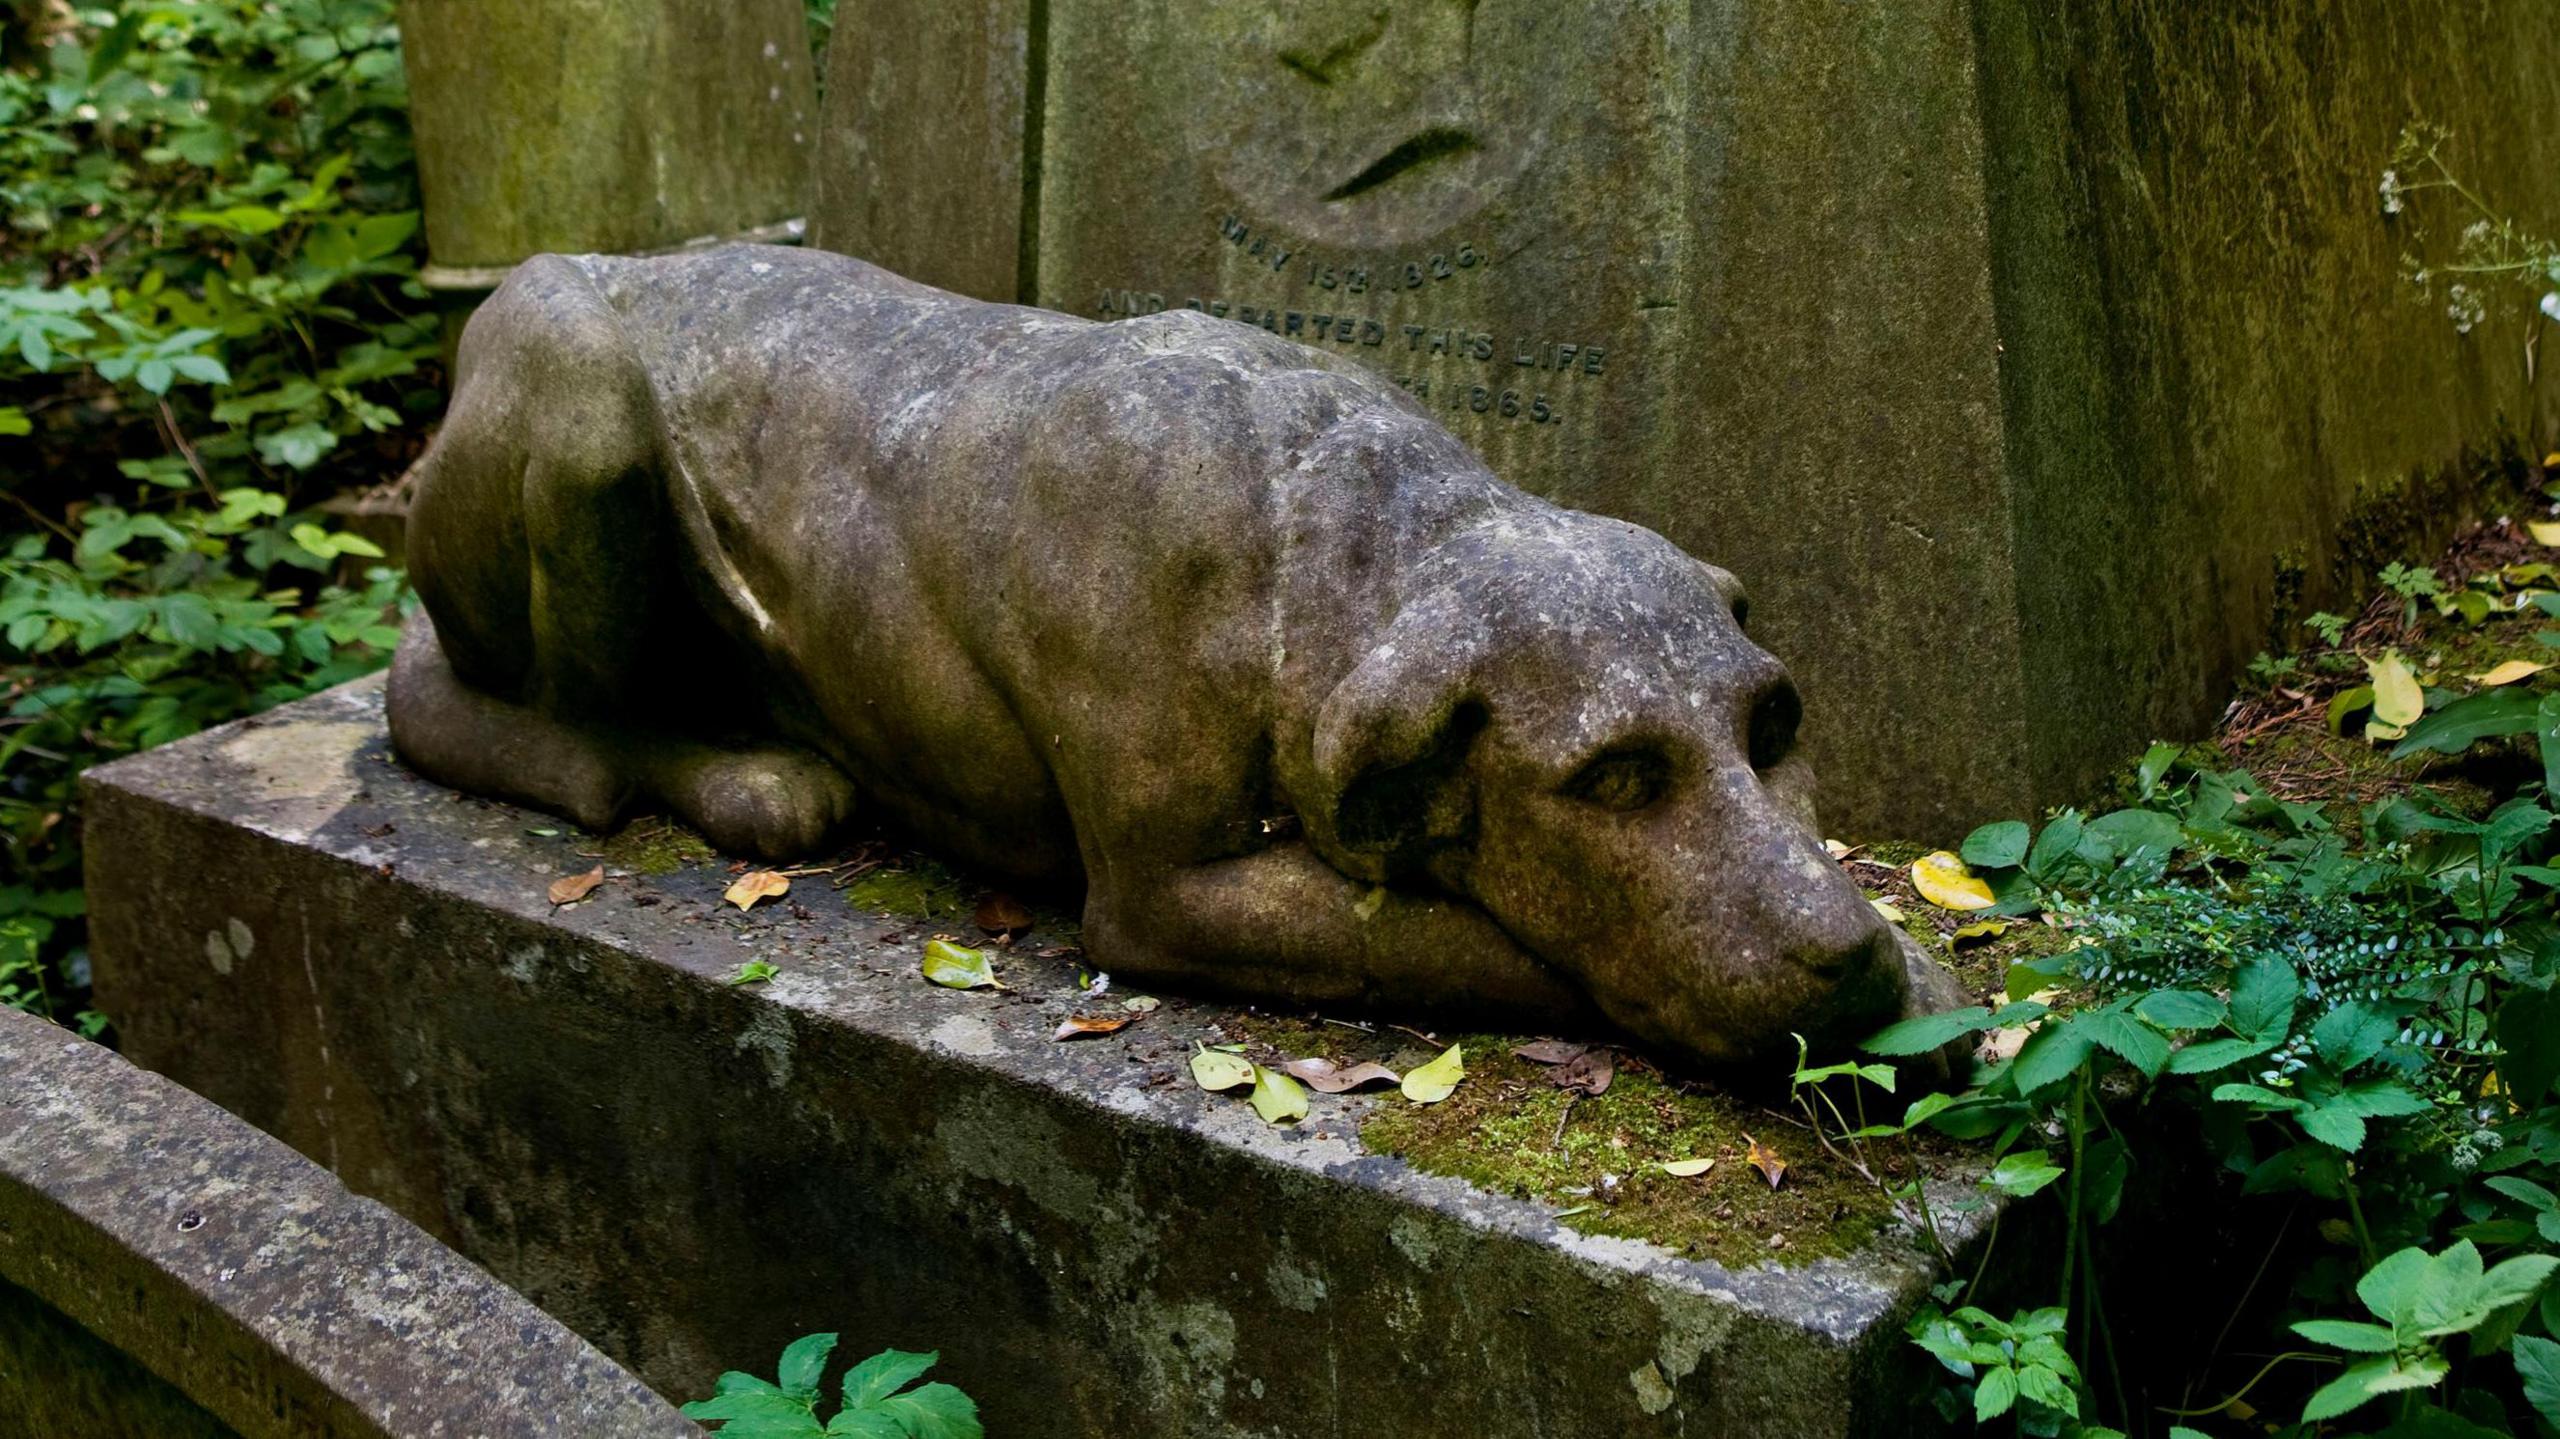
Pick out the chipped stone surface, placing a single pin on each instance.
(692, 1173)
(167, 1270)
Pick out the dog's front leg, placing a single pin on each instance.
(1284, 923)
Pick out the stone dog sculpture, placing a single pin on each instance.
(1315, 707)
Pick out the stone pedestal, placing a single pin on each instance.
(168, 1272)
(2031, 362)
(692, 1172)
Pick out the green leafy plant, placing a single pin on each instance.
(209, 322)
(2421, 1300)
(877, 1404)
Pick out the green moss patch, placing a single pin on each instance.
(656, 846)
(1510, 1131)
(913, 888)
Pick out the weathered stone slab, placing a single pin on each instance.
(575, 126)
(2026, 361)
(692, 1172)
(168, 1271)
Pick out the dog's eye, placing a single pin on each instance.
(1773, 725)
(1621, 782)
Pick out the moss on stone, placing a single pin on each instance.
(915, 888)
(1509, 1131)
(656, 846)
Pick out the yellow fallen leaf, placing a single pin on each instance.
(1216, 1069)
(2545, 532)
(956, 966)
(2510, 672)
(1943, 880)
(2376, 732)
(756, 885)
(1430, 1083)
(1980, 929)
(1886, 907)
(572, 888)
(1277, 1097)
(1766, 1160)
(1687, 1168)
(2397, 699)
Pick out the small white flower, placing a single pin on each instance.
(2551, 304)
(2391, 192)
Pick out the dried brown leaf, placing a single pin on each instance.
(1550, 1051)
(1587, 1073)
(1322, 1076)
(1087, 1026)
(1001, 913)
(569, 889)
(1766, 1160)
(760, 885)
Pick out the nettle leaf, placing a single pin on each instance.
(884, 1374)
(2001, 845)
(2047, 1388)
(2524, 1191)
(1928, 1032)
(2538, 1365)
(2351, 1034)
(2212, 1054)
(935, 1411)
(2052, 1054)
(2346, 1334)
(803, 1362)
(2131, 1040)
(758, 1407)
(2336, 1127)
(2019, 1175)
(1994, 1394)
(2180, 1009)
(2262, 997)
(2370, 1380)
(2468, 720)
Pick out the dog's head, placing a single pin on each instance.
(1567, 726)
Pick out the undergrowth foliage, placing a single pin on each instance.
(208, 321)
(2369, 1025)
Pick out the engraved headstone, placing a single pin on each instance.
(2025, 362)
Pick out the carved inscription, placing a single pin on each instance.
(1530, 378)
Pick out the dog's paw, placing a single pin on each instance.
(773, 804)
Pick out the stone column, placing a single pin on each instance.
(620, 126)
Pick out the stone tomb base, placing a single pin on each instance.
(691, 1173)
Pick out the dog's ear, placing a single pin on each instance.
(1391, 746)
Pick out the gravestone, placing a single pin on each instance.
(692, 1171)
(575, 126)
(168, 1272)
(2027, 362)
